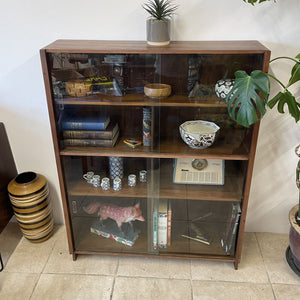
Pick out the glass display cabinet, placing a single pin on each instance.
(130, 184)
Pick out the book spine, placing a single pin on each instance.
(82, 134)
(162, 229)
(90, 134)
(169, 223)
(155, 230)
(88, 142)
(73, 125)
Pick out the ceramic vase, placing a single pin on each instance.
(223, 87)
(29, 196)
(116, 168)
(158, 32)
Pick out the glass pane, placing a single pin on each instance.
(106, 125)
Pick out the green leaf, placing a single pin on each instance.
(160, 9)
(295, 76)
(244, 102)
(254, 1)
(286, 98)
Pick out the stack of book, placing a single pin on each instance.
(96, 131)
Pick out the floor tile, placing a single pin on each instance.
(136, 288)
(286, 291)
(251, 267)
(60, 260)
(9, 239)
(152, 267)
(17, 286)
(204, 290)
(31, 257)
(273, 247)
(70, 287)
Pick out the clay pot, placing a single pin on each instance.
(29, 196)
(294, 256)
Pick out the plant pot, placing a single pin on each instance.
(293, 251)
(29, 196)
(158, 32)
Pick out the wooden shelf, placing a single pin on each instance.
(87, 242)
(142, 100)
(229, 146)
(230, 191)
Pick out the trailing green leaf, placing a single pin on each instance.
(248, 97)
(295, 76)
(286, 98)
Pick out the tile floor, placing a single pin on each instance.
(47, 271)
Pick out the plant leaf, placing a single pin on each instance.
(295, 76)
(286, 98)
(244, 102)
(160, 9)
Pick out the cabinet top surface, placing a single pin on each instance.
(175, 47)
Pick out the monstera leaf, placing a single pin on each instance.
(286, 98)
(295, 76)
(248, 97)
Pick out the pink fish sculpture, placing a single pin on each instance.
(119, 214)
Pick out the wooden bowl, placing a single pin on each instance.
(157, 90)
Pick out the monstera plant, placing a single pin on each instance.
(249, 96)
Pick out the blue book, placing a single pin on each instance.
(87, 122)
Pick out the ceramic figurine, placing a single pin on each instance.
(119, 214)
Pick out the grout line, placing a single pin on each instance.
(266, 269)
(191, 281)
(114, 280)
(42, 271)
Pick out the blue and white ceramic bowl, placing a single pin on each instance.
(198, 134)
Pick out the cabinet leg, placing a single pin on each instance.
(236, 264)
(74, 256)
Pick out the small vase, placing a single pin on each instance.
(223, 87)
(158, 32)
(29, 196)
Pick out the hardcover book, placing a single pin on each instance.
(91, 142)
(86, 122)
(111, 231)
(106, 134)
(162, 223)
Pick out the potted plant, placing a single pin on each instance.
(249, 96)
(246, 103)
(158, 24)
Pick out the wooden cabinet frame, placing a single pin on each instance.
(243, 154)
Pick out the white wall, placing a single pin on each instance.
(27, 26)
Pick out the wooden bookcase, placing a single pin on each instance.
(215, 212)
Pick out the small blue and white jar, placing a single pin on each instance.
(116, 168)
(223, 87)
(117, 184)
